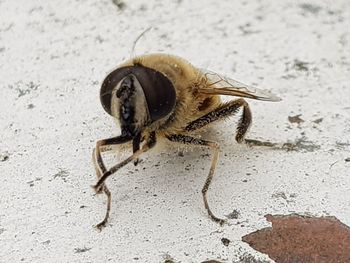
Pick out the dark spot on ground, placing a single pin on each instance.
(212, 261)
(30, 106)
(31, 183)
(225, 241)
(7, 28)
(283, 195)
(317, 121)
(4, 157)
(289, 76)
(99, 39)
(342, 145)
(234, 214)
(292, 68)
(310, 8)
(295, 119)
(347, 159)
(300, 65)
(188, 167)
(279, 195)
(296, 238)
(143, 8)
(62, 173)
(29, 87)
(299, 144)
(248, 258)
(168, 259)
(47, 242)
(247, 29)
(120, 4)
(252, 142)
(2, 49)
(333, 12)
(81, 250)
(259, 17)
(2, 230)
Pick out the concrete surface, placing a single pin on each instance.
(53, 57)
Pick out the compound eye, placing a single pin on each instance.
(109, 84)
(159, 91)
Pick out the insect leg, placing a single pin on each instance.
(223, 111)
(101, 169)
(96, 156)
(215, 146)
(136, 146)
(100, 183)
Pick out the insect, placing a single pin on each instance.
(161, 95)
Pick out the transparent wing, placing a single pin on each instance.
(217, 84)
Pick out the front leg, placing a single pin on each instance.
(101, 169)
(151, 141)
(97, 158)
(136, 146)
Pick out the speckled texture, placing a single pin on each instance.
(53, 57)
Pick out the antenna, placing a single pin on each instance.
(137, 39)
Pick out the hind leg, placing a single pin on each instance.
(226, 110)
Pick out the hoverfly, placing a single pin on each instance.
(160, 95)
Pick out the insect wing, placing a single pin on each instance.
(217, 84)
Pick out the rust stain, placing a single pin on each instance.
(295, 238)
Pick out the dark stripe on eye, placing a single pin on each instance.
(109, 83)
(127, 107)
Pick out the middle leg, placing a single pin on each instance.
(223, 111)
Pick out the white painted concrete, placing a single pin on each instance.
(53, 57)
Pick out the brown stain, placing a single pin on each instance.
(295, 238)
